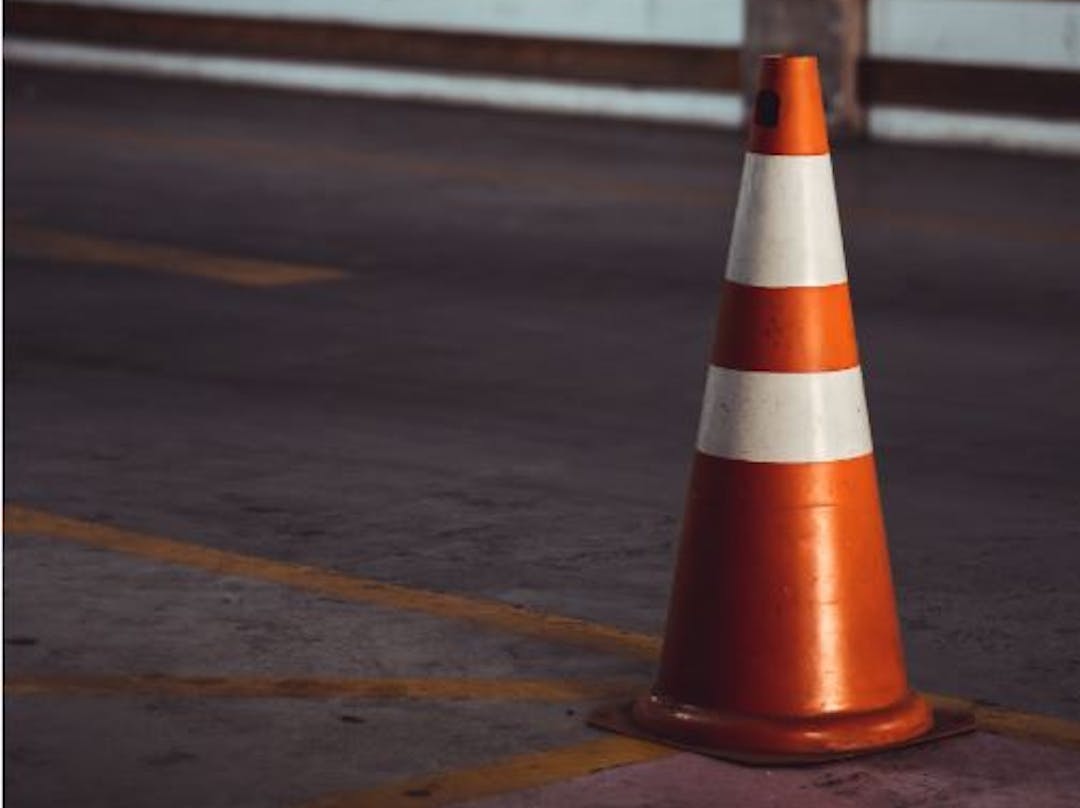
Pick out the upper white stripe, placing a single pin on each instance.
(787, 229)
(784, 417)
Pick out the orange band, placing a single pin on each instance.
(796, 329)
(788, 115)
(781, 544)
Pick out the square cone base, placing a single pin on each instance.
(618, 718)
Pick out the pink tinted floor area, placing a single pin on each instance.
(981, 770)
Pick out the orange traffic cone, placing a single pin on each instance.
(782, 639)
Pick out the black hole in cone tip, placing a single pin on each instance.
(767, 108)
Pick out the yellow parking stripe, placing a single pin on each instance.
(1046, 729)
(352, 158)
(253, 687)
(1002, 721)
(38, 242)
(502, 776)
(488, 613)
(597, 185)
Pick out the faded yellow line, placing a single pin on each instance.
(39, 242)
(501, 776)
(382, 160)
(988, 718)
(1003, 721)
(488, 613)
(254, 687)
(936, 222)
(944, 223)
(546, 768)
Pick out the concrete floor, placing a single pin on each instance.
(499, 400)
(982, 771)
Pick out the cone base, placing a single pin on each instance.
(728, 736)
(906, 719)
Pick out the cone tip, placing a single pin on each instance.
(788, 113)
(799, 58)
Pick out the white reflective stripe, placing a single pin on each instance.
(784, 417)
(787, 229)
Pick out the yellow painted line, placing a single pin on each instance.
(254, 687)
(487, 613)
(944, 223)
(990, 719)
(356, 159)
(1009, 228)
(1003, 721)
(501, 776)
(546, 768)
(39, 242)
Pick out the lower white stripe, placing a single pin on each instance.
(784, 417)
(577, 98)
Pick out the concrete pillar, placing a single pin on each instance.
(832, 30)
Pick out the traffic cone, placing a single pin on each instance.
(782, 639)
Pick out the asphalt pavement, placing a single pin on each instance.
(493, 393)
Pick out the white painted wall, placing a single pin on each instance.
(914, 125)
(685, 22)
(1022, 33)
(678, 22)
(1034, 34)
(1042, 34)
(575, 98)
